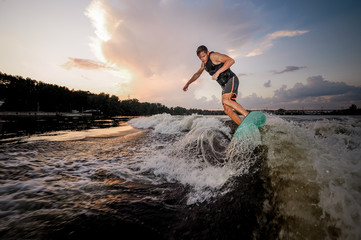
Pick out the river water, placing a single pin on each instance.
(183, 177)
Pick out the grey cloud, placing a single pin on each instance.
(267, 84)
(316, 93)
(289, 69)
(315, 86)
(241, 75)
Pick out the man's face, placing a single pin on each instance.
(203, 56)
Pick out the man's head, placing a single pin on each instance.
(202, 53)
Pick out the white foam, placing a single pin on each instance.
(150, 122)
(198, 158)
(165, 123)
(202, 177)
(337, 161)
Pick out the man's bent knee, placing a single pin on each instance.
(227, 102)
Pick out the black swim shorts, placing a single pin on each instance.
(231, 87)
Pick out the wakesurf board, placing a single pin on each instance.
(251, 124)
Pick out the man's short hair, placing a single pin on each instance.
(201, 49)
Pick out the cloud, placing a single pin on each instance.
(317, 93)
(316, 86)
(241, 75)
(268, 40)
(279, 34)
(289, 69)
(122, 75)
(156, 40)
(85, 64)
(101, 15)
(267, 84)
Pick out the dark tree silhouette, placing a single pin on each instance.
(19, 94)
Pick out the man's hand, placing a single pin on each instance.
(185, 88)
(215, 76)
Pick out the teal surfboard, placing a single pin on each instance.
(251, 124)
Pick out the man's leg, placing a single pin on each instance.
(226, 100)
(234, 116)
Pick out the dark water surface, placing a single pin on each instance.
(183, 178)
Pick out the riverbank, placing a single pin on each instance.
(43, 114)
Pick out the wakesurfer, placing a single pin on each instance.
(218, 66)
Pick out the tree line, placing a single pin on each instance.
(25, 94)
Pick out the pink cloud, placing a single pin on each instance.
(85, 64)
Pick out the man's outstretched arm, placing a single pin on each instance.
(194, 77)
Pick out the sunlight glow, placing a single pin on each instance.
(97, 15)
(105, 25)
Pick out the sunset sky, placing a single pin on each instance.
(298, 54)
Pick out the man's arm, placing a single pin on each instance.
(194, 77)
(218, 58)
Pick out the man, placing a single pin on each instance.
(218, 66)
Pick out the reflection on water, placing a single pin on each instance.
(15, 126)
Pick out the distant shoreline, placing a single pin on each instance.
(349, 111)
(44, 114)
(215, 112)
